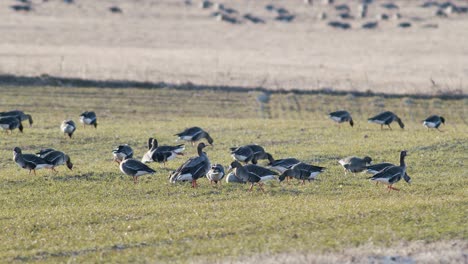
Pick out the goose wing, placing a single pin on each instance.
(137, 166)
(259, 171)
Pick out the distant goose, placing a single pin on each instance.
(193, 169)
(56, 158)
(386, 118)
(194, 134)
(10, 123)
(68, 127)
(88, 118)
(216, 173)
(252, 174)
(341, 116)
(355, 164)
(20, 114)
(303, 172)
(161, 153)
(434, 121)
(283, 164)
(393, 174)
(376, 168)
(135, 169)
(29, 161)
(122, 152)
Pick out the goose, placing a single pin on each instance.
(88, 118)
(216, 173)
(68, 127)
(341, 116)
(135, 168)
(386, 118)
(56, 158)
(433, 121)
(242, 154)
(393, 174)
(194, 134)
(232, 178)
(193, 169)
(20, 114)
(302, 171)
(29, 161)
(10, 123)
(122, 152)
(355, 164)
(283, 164)
(252, 174)
(161, 153)
(376, 168)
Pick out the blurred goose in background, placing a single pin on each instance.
(193, 169)
(216, 173)
(283, 164)
(88, 118)
(252, 174)
(135, 169)
(386, 118)
(29, 161)
(56, 158)
(434, 121)
(393, 174)
(122, 152)
(303, 172)
(341, 116)
(10, 123)
(68, 127)
(161, 153)
(194, 134)
(17, 113)
(355, 164)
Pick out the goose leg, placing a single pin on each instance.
(393, 188)
(34, 171)
(303, 182)
(194, 184)
(389, 126)
(251, 187)
(135, 179)
(381, 127)
(260, 185)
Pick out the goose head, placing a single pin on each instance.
(69, 163)
(234, 165)
(17, 150)
(400, 123)
(286, 173)
(442, 120)
(367, 160)
(209, 139)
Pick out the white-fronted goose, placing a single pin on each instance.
(56, 158)
(393, 174)
(341, 116)
(302, 171)
(161, 154)
(10, 123)
(88, 118)
(386, 118)
(20, 114)
(260, 153)
(355, 164)
(68, 127)
(252, 174)
(29, 161)
(194, 134)
(193, 169)
(434, 121)
(376, 168)
(242, 154)
(216, 173)
(135, 168)
(283, 164)
(122, 152)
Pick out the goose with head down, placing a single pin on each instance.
(434, 121)
(393, 174)
(88, 118)
(135, 168)
(19, 114)
(302, 172)
(161, 154)
(56, 158)
(193, 169)
(10, 123)
(355, 164)
(122, 152)
(216, 173)
(194, 134)
(386, 118)
(283, 164)
(68, 127)
(341, 117)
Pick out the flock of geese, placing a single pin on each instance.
(243, 169)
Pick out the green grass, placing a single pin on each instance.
(95, 213)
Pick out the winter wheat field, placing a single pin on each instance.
(154, 68)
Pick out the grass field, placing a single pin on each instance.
(96, 214)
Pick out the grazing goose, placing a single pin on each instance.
(393, 174)
(68, 127)
(56, 158)
(434, 121)
(216, 173)
(252, 174)
(20, 114)
(341, 116)
(302, 171)
(10, 123)
(386, 118)
(193, 169)
(88, 118)
(355, 164)
(135, 168)
(283, 164)
(161, 153)
(376, 168)
(122, 152)
(242, 154)
(194, 134)
(29, 161)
